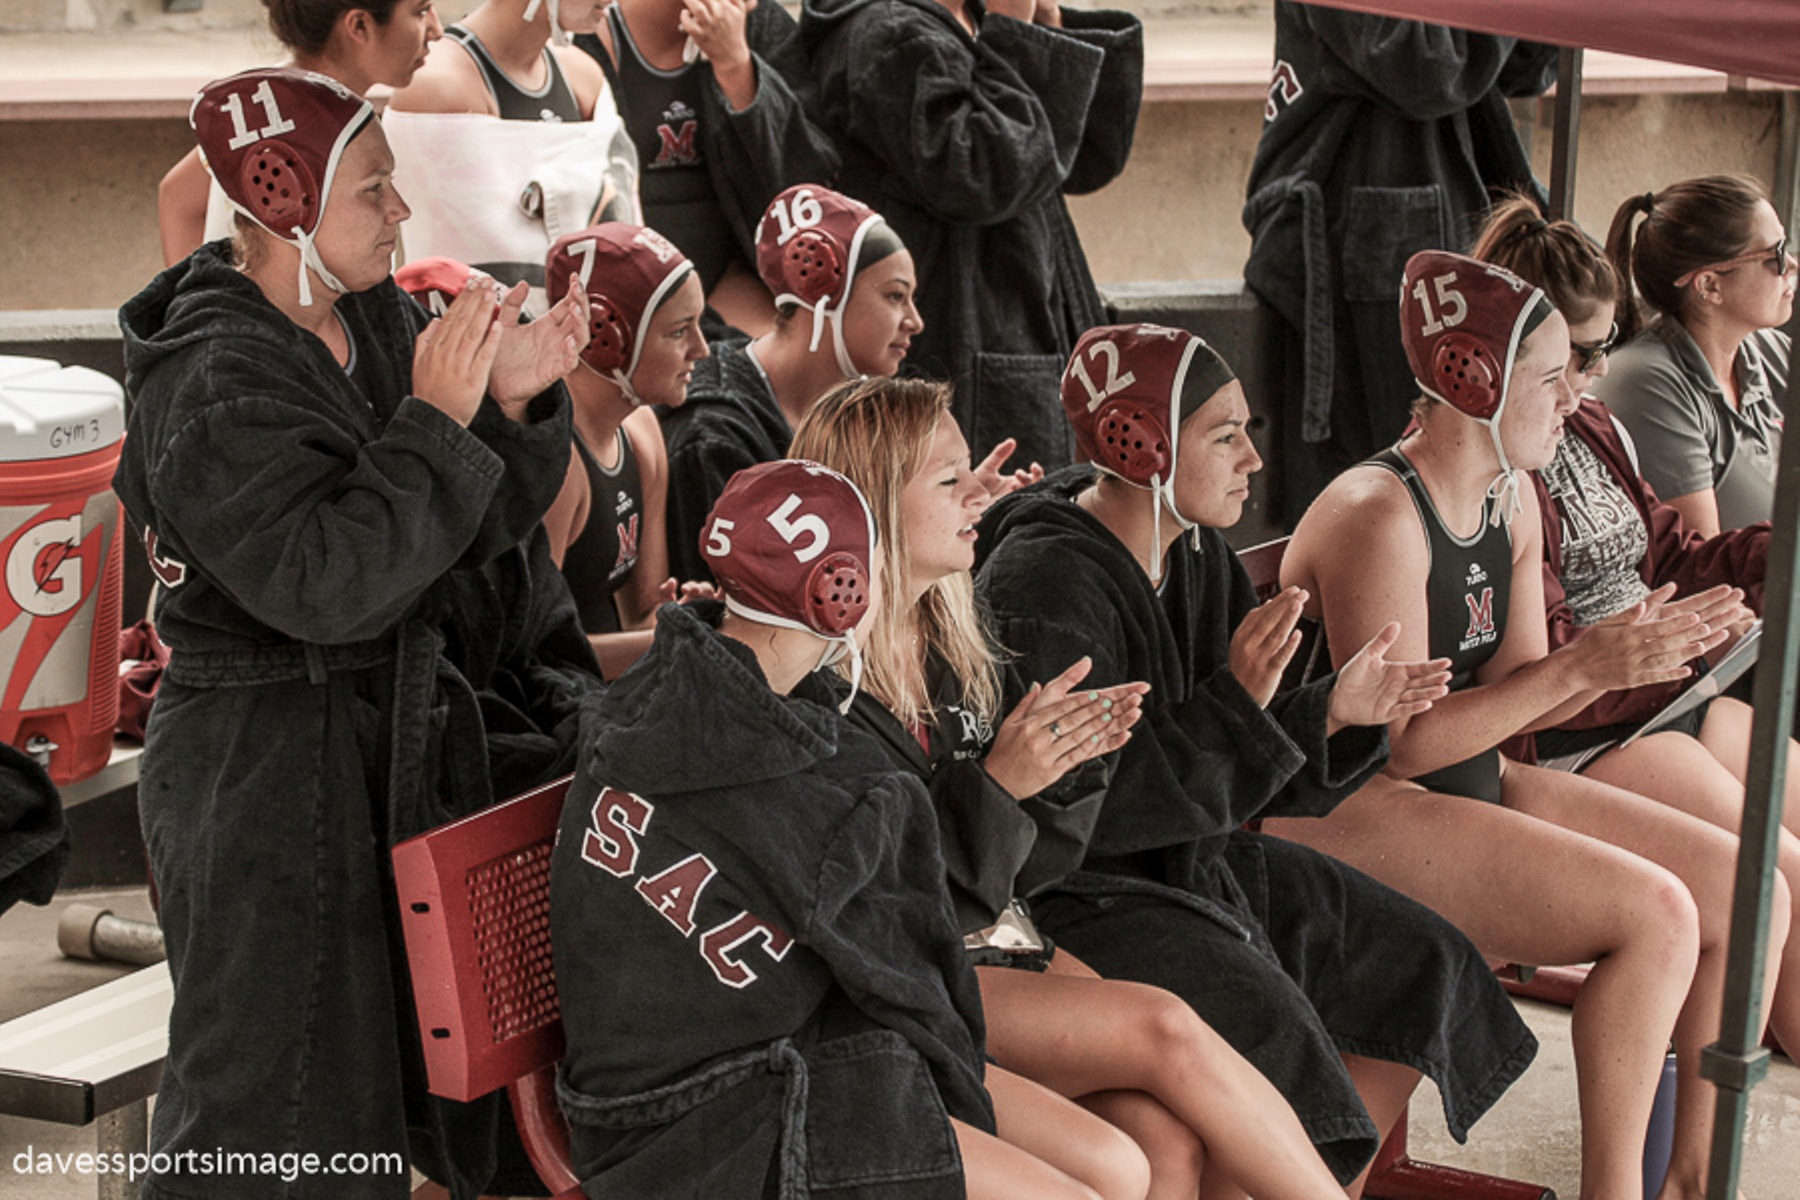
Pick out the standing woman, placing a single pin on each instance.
(930, 694)
(606, 528)
(706, 88)
(341, 500)
(357, 44)
(1702, 375)
(964, 124)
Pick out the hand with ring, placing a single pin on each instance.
(1056, 728)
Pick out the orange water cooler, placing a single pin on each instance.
(60, 557)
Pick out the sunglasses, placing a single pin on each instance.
(1588, 357)
(1776, 258)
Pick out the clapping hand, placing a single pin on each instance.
(533, 356)
(1372, 690)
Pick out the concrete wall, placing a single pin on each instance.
(80, 196)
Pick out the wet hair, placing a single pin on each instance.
(877, 432)
(1686, 226)
(305, 26)
(1557, 256)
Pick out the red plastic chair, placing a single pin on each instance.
(475, 909)
(1395, 1175)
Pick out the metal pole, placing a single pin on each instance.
(1567, 127)
(1737, 1060)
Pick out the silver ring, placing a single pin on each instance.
(1055, 730)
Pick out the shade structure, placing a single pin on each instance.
(1758, 38)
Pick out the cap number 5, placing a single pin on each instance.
(807, 523)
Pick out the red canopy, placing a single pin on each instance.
(1758, 38)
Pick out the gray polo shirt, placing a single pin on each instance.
(1688, 439)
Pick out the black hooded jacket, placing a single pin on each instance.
(1205, 758)
(743, 881)
(368, 638)
(1381, 137)
(966, 146)
(729, 421)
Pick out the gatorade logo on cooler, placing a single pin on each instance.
(43, 568)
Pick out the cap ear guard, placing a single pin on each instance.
(837, 594)
(1464, 375)
(811, 266)
(1129, 443)
(609, 344)
(279, 186)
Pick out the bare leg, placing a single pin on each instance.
(1078, 1036)
(1067, 1137)
(995, 1170)
(1703, 778)
(1385, 1088)
(1176, 1156)
(1527, 891)
(1704, 857)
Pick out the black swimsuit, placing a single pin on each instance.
(1467, 590)
(600, 560)
(555, 101)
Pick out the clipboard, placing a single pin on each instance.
(1725, 673)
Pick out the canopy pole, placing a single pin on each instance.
(1787, 162)
(1738, 1060)
(1566, 133)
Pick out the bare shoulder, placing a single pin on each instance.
(585, 77)
(449, 82)
(1365, 516)
(645, 434)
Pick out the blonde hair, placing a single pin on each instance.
(878, 432)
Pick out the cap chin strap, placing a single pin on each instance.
(1164, 495)
(623, 381)
(832, 654)
(309, 257)
(1504, 490)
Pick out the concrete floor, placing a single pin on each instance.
(1530, 1135)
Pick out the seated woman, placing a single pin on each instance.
(359, 43)
(606, 528)
(704, 92)
(1536, 866)
(1339, 990)
(760, 975)
(930, 693)
(1701, 376)
(341, 499)
(1608, 541)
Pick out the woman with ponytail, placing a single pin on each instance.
(1702, 375)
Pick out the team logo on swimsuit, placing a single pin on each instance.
(679, 135)
(1481, 619)
(628, 547)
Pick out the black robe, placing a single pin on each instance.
(729, 421)
(367, 639)
(797, 1004)
(967, 146)
(996, 847)
(1292, 956)
(1381, 137)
